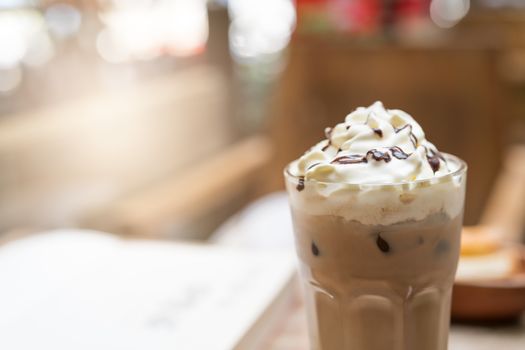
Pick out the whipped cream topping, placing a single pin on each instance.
(372, 145)
(376, 168)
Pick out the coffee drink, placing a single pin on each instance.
(377, 214)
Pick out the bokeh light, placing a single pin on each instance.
(260, 28)
(12, 38)
(40, 50)
(447, 13)
(108, 49)
(63, 20)
(23, 38)
(10, 79)
(144, 30)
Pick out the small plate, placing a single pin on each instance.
(491, 299)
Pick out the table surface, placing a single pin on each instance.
(292, 334)
(264, 223)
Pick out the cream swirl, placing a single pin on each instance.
(372, 145)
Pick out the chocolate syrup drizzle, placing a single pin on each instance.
(433, 158)
(328, 134)
(300, 184)
(382, 244)
(398, 153)
(378, 155)
(312, 165)
(403, 128)
(414, 140)
(378, 132)
(413, 137)
(350, 159)
(315, 249)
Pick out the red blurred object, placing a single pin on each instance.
(411, 8)
(357, 16)
(341, 15)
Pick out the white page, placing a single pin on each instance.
(80, 290)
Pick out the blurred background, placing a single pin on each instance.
(173, 120)
(163, 118)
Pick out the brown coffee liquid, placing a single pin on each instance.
(374, 287)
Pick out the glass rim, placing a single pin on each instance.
(462, 169)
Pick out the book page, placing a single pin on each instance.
(81, 290)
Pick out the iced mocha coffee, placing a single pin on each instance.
(377, 213)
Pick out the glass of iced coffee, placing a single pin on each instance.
(377, 213)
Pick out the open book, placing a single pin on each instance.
(85, 290)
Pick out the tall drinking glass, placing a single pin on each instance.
(383, 280)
